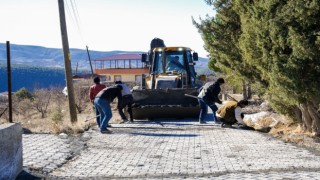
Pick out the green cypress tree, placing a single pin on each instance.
(275, 43)
(282, 41)
(221, 37)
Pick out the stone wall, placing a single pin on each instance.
(10, 150)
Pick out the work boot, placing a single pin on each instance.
(202, 122)
(123, 121)
(224, 125)
(106, 131)
(217, 122)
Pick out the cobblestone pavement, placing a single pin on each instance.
(179, 149)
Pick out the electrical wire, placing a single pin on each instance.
(75, 18)
(76, 14)
(69, 12)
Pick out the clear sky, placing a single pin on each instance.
(104, 25)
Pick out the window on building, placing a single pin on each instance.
(140, 64)
(138, 79)
(120, 63)
(127, 64)
(108, 78)
(103, 78)
(112, 64)
(117, 78)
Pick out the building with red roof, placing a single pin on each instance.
(121, 67)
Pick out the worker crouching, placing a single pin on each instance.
(230, 113)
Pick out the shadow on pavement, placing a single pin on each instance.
(24, 175)
(165, 135)
(173, 122)
(145, 128)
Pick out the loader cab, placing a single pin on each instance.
(168, 61)
(168, 64)
(172, 60)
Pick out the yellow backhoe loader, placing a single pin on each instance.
(171, 76)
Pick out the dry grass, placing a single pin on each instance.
(290, 132)
(55, 118)
(294, 133)
(33, 123)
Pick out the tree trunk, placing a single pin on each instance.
(310, 118)
(244, 90)
(4, 111)
(249, 91)
(298, 114)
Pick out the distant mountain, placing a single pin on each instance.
(202, 66)
(31, 78)
(53, 57)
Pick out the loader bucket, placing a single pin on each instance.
(165, 103)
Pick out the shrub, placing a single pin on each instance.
(57, 116)
(23, 93)
(41, 101)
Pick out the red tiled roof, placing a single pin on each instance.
(120, 57)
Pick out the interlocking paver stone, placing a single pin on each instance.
(180, 149)
(44, 152)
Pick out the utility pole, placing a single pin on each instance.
(90, 61)
(9, 81)
(77, 68)
(67, 62)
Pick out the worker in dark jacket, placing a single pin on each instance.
(102, 104)
(127, 101)
(208, 96)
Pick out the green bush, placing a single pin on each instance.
(57, 116)
(22, 94)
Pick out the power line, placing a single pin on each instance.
(75, 17)
(76, 14)
(69, 12)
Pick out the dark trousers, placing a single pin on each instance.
(127, 102)
(204, 109)
(227, 122)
